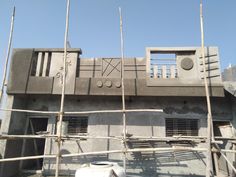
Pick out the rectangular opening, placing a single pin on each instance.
(75, 125)
(34, 147)
(163, 65)
(184, 127)
(41, 64)
(222, 128)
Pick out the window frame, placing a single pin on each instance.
(76, 130)
(176, 131)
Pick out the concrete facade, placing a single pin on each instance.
(95, 84)
(229, 74)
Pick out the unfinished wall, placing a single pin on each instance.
(13, 124)
(41, 73)
(138, 124)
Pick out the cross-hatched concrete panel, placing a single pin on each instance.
(111, 67)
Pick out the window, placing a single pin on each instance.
(75, 125)
(185, 127)
(163, 65)
(223, 129)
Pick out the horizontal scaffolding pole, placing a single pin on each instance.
(116, 111)
(105, 152)
(10, 137)
(27, 158)
(119, 138)
(82, 112)
(98, 137)
(115, 151)
(29, 111)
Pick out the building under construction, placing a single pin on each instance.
(167, 84)
(167, 113)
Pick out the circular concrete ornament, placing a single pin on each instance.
(99, 84)
(118, 84)
(187, 63)
(108, 83)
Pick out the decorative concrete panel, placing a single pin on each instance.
(19, 70)
(56, 71)
(111, 67)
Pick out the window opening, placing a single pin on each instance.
(185, 127)
(163, 65)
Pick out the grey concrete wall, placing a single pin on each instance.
(233, 156)
(186, 57)
(13, 124)
(229, 74)
(143, 124)
(102, 76)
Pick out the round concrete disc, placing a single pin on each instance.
(187, 63)
(99, 83)
(118, 84)
(108, 83)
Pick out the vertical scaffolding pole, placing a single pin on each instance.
(209, 168)
(8, 52)
(59, 126)
(122, 87)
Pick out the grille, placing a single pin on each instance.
(185, 127)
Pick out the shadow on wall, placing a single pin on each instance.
(151, 162)
(147, 164)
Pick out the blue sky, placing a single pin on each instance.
(94, 25)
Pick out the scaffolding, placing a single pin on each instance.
(212, 141)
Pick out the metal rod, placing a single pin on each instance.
(123, 87)
(8, 52)
(59, 127)
(209, 169)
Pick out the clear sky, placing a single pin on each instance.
(94, 25)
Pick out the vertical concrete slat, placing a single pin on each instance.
(45, 63)
(172, 71)
(39, 61)
(148, 62)
(163, 72)
(155, 71)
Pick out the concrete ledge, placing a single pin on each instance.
(39, 85)
(138, 87)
